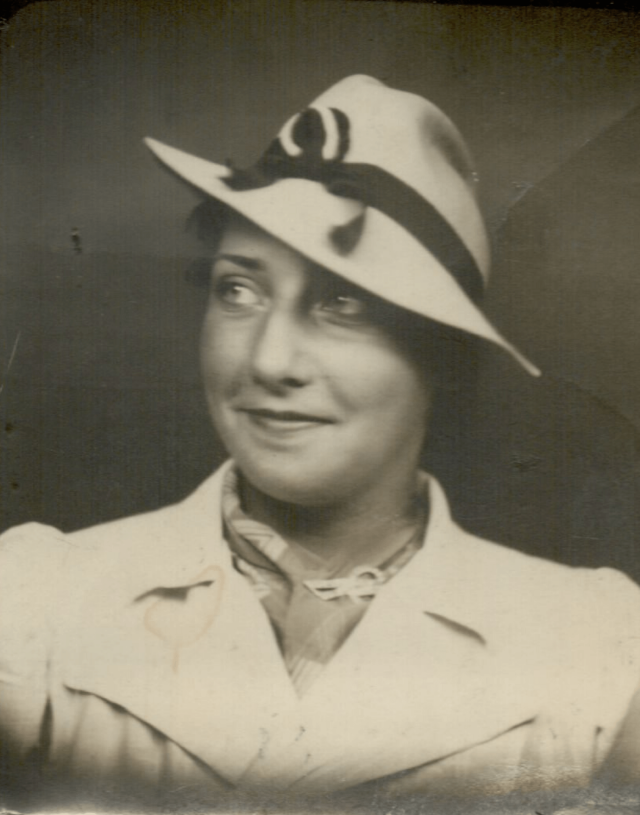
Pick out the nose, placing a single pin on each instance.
(280, 356)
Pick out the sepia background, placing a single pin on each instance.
(101, 405)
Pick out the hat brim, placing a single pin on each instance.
(386, 261)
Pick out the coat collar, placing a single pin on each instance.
(449, 577)
(175, 548)
(180, 641)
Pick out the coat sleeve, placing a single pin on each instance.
(622, 608)
(31, 557)
(622, 766)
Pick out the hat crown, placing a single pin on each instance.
(403, 134)
(396, 118)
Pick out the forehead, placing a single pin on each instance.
(246, 245)
(246, 240)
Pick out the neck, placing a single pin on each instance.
(360, 527)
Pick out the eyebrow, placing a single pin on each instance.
(251, 264)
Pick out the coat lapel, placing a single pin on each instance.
(195, 655)
(186, 647)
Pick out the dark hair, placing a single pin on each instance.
(207, 222)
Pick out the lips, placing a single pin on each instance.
(293, 416)
(283, 426)
(284, 418)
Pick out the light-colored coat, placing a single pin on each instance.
(135, 661)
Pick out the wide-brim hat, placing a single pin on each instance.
(377, 186)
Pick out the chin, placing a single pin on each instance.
(294, 485)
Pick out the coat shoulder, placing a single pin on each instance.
(35, 555)
(40, 564)
(31, 555)
(132, 531)
(552, 599)
(169, 526)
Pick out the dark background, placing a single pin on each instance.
(102, 412)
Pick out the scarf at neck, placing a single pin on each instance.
(313, 604)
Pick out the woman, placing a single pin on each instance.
(311, 622)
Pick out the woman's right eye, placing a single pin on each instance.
(236, 294)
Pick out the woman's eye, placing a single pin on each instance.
(344, 306)
(236, 294)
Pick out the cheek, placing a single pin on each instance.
(220, 358)
(381, 383)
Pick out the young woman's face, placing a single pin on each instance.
(309, 390)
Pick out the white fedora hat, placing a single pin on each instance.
(376, 185)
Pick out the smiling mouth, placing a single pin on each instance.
(283, 419)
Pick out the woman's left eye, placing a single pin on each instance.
(344, 305)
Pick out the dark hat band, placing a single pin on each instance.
(374, 187)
